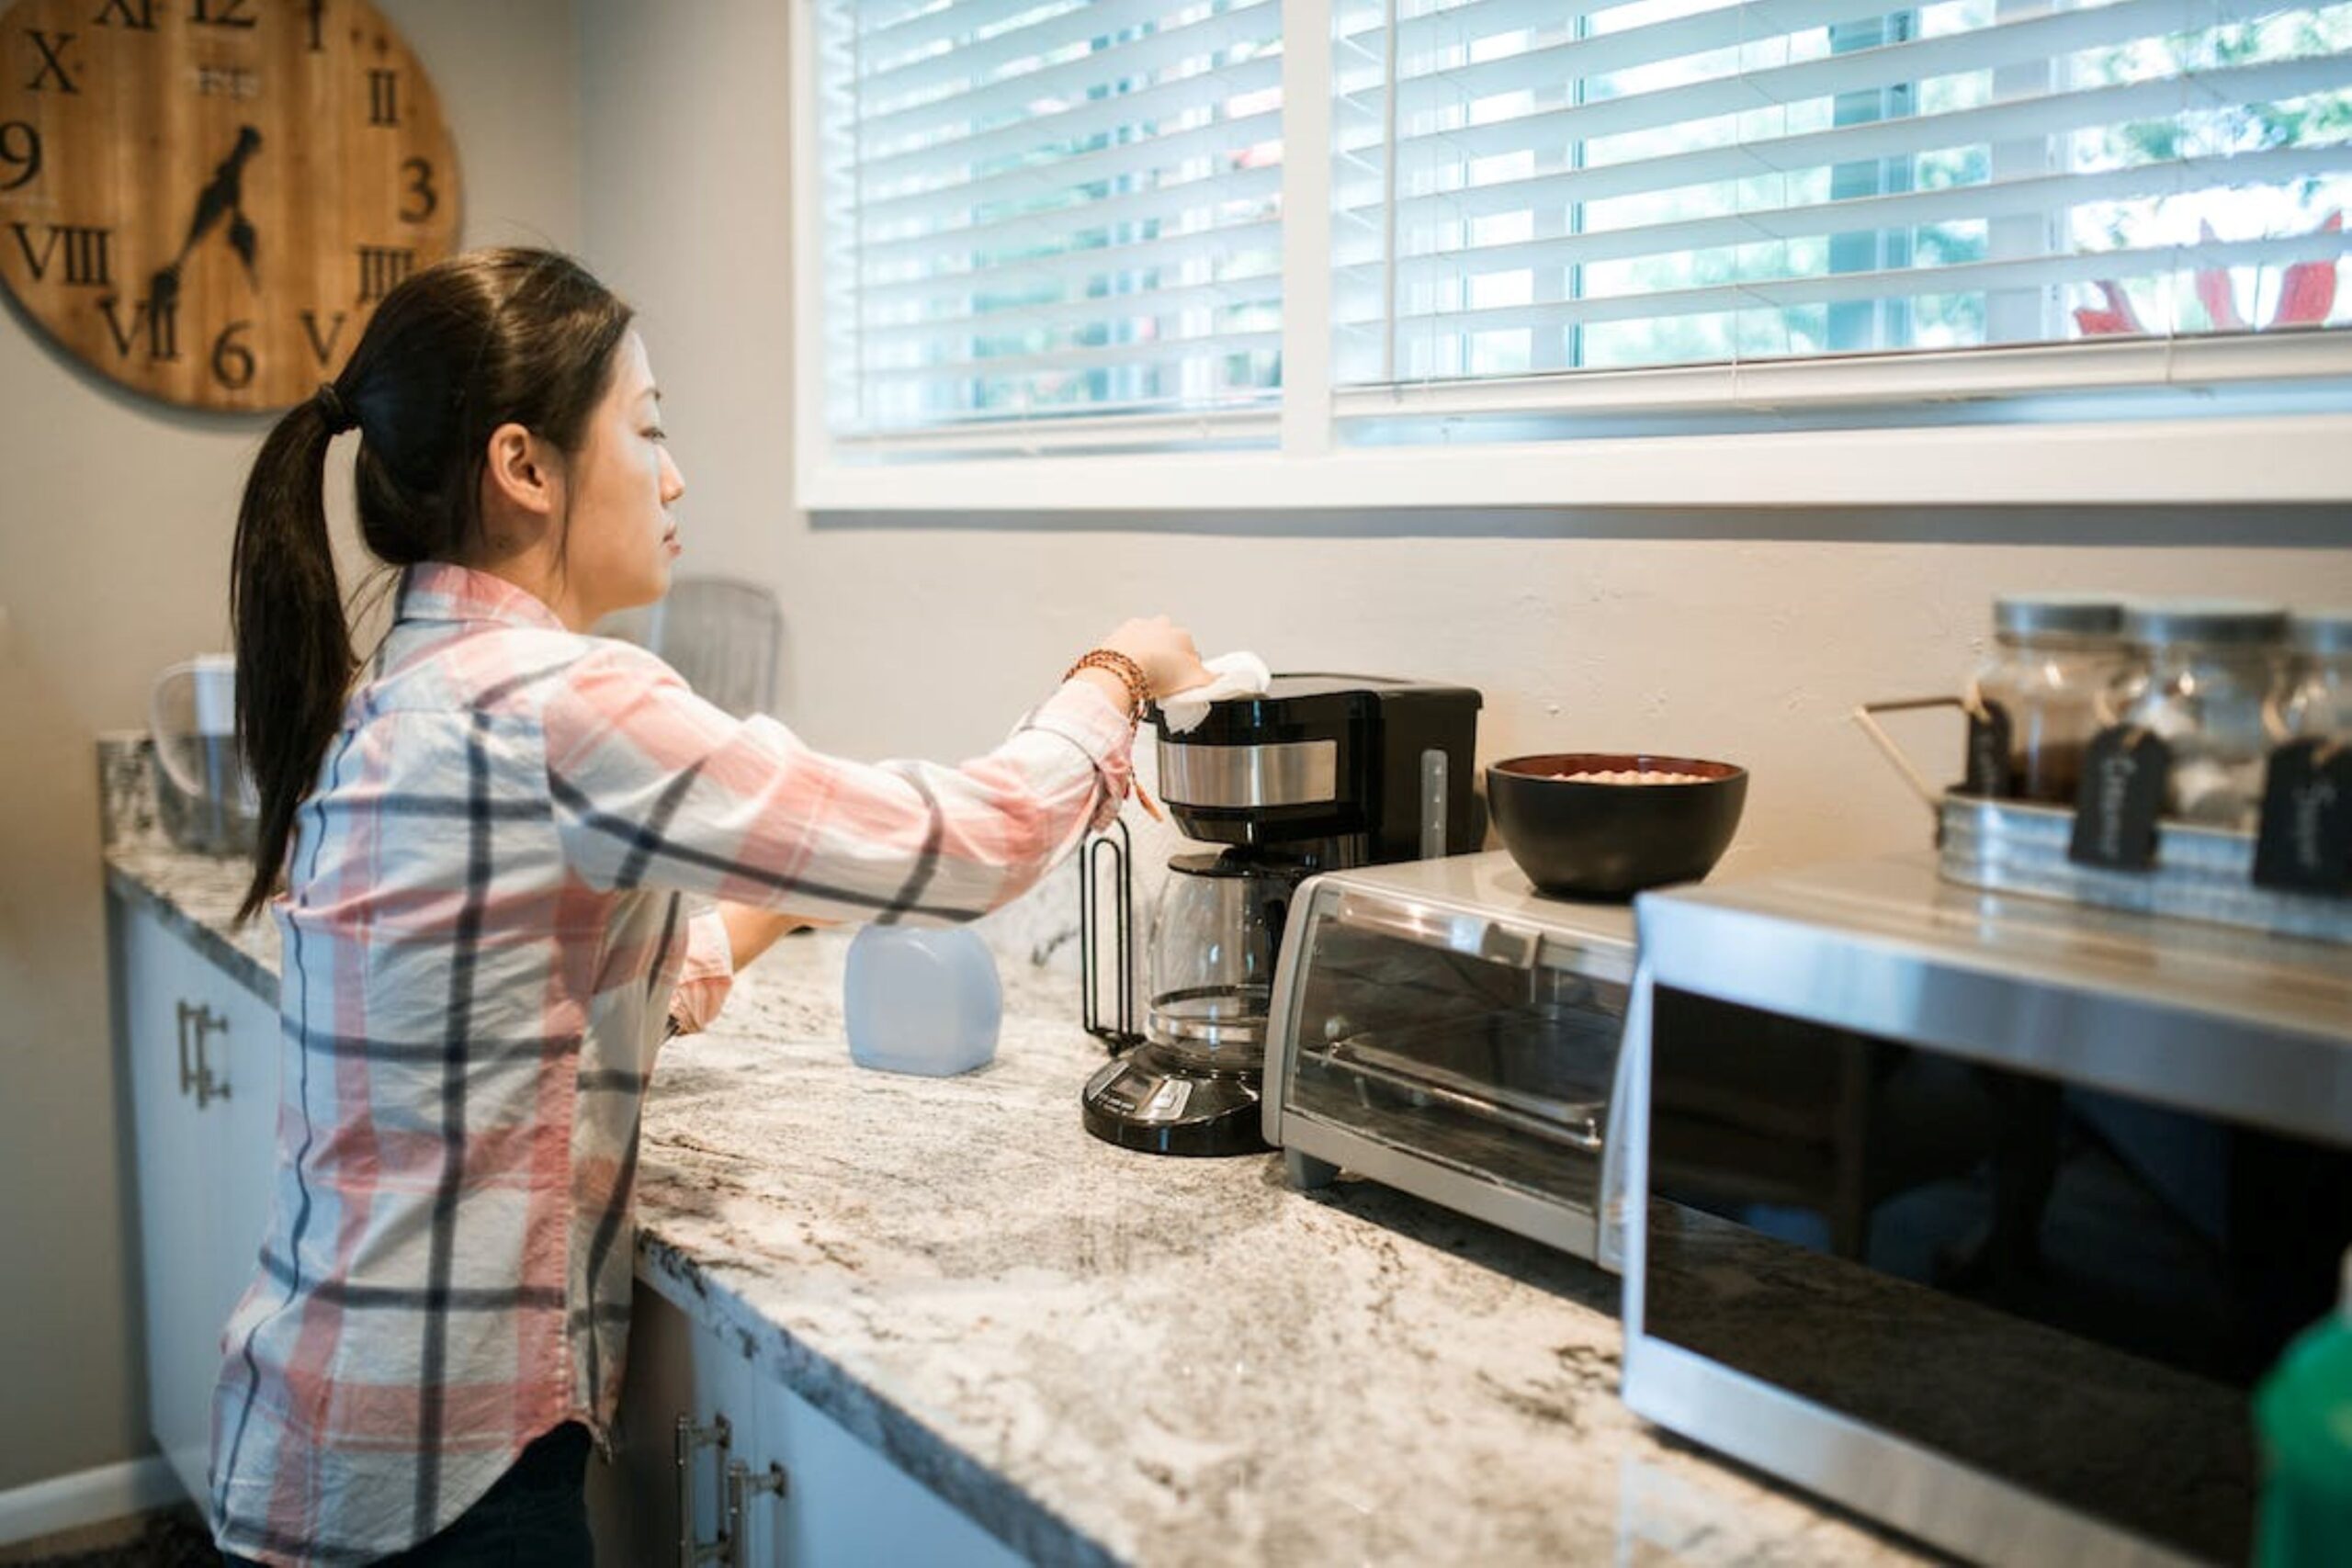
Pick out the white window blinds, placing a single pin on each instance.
(1042, 209)
(1531, 186)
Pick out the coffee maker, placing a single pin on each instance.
(1320, 774)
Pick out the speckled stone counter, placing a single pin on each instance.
(1103, 1356)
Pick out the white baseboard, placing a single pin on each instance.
(86, 1498)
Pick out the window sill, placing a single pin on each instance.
(2292, 458)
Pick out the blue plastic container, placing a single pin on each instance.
(922, 1002)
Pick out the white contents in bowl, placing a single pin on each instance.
(1632, 776)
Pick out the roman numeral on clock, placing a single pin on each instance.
(85, 252)
(381, 267)
(161, 327)
(383, 97)
(323, 347)
(50, 47)
(141, 20)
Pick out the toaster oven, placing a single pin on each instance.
(1438, 1028)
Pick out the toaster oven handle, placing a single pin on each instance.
(1473, 936)
(1625, 1173)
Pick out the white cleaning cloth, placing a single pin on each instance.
(1233, 675)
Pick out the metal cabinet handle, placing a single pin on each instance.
(693, 1553)
(741, 1486)
(198, 1021)
(187, 1069)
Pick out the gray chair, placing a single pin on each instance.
(722, 635)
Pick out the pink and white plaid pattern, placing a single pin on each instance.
(485, 935)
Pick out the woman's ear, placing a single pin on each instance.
(522, 473)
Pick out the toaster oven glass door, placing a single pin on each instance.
(2071, 1290)
(1497, 1062)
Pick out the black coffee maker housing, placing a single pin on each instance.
(1321, 772)
(1339, 770)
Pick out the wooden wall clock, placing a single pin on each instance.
(204, 198)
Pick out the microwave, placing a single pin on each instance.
(1980, 1215)
(1440, 1028)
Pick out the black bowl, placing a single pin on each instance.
(1581, 838)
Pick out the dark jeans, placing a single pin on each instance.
(535, 1516)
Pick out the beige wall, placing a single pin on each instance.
(113, 552)
(1743, 635)
(1750, 642)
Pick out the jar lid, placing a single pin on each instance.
(2240, 622)
(2066, 614)
(2323, 631)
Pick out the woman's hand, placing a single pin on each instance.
(1163, 651)
(752, 930)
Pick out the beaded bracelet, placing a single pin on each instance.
(1125, 669)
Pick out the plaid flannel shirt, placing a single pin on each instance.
(484, 934)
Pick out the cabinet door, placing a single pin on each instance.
(848, 1505)
(676, 1367)
(200, 1050)
(844, 1504)
(157, 974)
(242, 1050)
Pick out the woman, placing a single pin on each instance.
(485, 842)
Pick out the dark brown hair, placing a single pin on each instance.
(481, 339)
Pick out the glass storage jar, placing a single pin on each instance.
(2315, 700)
(2210, 669)
(2056, 659)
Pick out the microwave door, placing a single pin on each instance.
(2060, 1293)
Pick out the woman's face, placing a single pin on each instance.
(620, 536)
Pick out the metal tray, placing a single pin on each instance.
(1544, 1071)
(2010, 846)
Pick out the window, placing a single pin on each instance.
(1106, 229)
(1036, 211)
(1530, 187)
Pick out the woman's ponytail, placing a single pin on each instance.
(294, 658)
(455, 351)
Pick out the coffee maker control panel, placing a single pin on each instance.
(1369, 770)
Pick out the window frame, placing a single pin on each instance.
(1297, 457)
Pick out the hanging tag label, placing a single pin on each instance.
(2306, 837)
(1988, 754)
(2123, 794)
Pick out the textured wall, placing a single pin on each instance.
(1748, 636)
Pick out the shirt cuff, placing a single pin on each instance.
(1082, 714)
(706, 978)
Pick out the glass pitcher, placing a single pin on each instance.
(203, 796)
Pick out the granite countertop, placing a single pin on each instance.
(1106, 1355)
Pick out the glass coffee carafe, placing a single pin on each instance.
(1190, 1084)
(1213, 946)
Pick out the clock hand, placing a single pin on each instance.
(223, 193)
(243, 240)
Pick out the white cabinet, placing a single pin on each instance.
(841, 1503)
(199, 1053)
